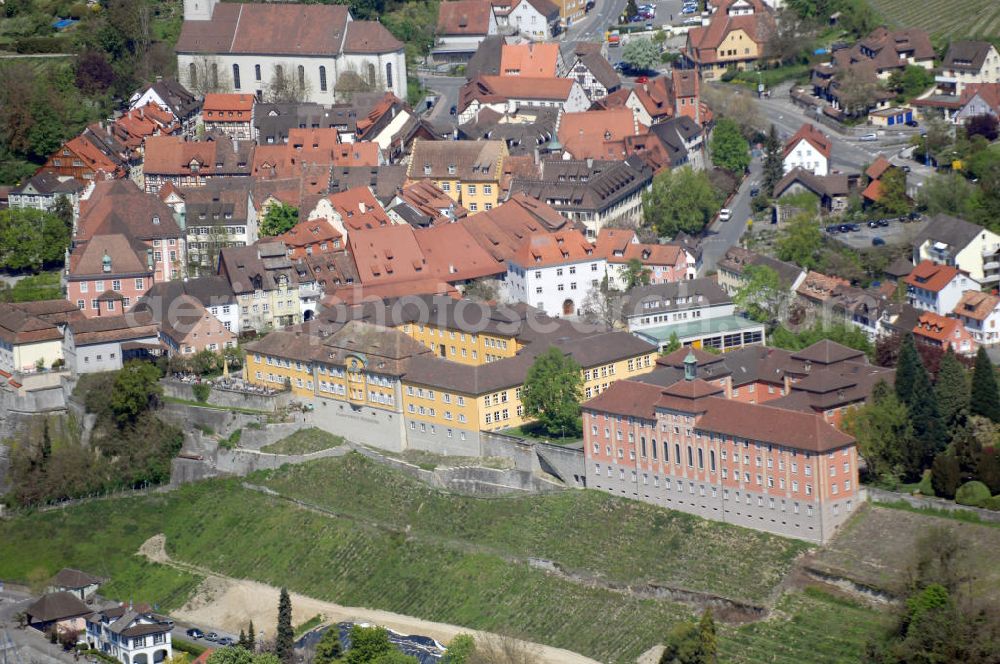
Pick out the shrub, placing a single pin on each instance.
(946, 475)
(992, 504)
(40, 45)
(201, 391)
(729, 74)
(972, 493)
(232, 441)
(188, 647)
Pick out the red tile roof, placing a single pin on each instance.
(930, 276)
(586, 135)
(547, 249)
(370, 37)
(878, 167)
(360, 153)
(938, 328)
(359, 209)
(777, 426)
(809, 133)
(977, 305)
(530, 59)
(224, 102)
(464, 17)
(309, 232)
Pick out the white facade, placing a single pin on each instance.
(575, 102)
(985, 332)
(943, 301)
(228, 315)
(529, 21)
(92, 358)
(558, 290)
(978, 258)
(805, 155)
(127, 642)
(955, 80)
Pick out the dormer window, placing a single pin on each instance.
(451, 169)
(156, 220)
(427, 169)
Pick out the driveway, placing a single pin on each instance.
(721, 235)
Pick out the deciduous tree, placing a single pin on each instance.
(892, 193)
(762, 295)
(680, 200)
(136, 389)
(728, 147)
(460, 650)
(635, 274)
(280, 218)
(948, 193)
(801, 241)
(857, 87)
(641, 54)
(984, 125)
(368, 644)
(882, 430)
(329, 649)
(552, 392)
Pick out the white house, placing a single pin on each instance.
(591, 69)
(980, 314)
(129, 636)
(43, 190)
(948, 240)
(937, 288)
(173, 98)
(507, 94)
(318, 49)
(554, 272)
(966, 63)
(105, 343)
(535, 19)
(808, 149)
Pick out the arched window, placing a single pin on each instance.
(279, 73)
(215, 75)
(388, 76)
(322, 78)
(371, 74)
(236, 77)
(302, 77)
(193, 75)
(256, 72)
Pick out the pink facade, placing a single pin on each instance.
(84, 291)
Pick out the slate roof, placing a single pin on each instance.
(178, 99)
(577, 185)
(966, 55)
(658, 298)
(486, 60)
(68, 577)
(955, 232)
(833, 186)
(57, 606)
(589, 54)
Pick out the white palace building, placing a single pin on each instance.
(247, 47)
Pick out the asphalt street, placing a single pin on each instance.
(721, 235)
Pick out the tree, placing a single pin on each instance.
(910, 82)
(238, 655)
(552, 392)
(967, 450)
(856, 87)
(251, 638)
(673, 344)
(482, 290)
(984, 399)
(641, 54)
(945, 475)
(631, 9)
(329, 648)
(907, 366)
(680, 200)
(692, 643)
(136, 389)
(892, 193)
(288, 88)
(708, 638)
(948, 193)
(460, 650)
(284, 646)
(635, 274)
(729, 149)
(94, 75)
(984, 125)
(280, 218)
(762, 296)
(603, 305)
(929, 434)
(952, 391)
(736, 104)
(774, 163)
(367, 644)
(801, 242)
(242, 641)
(882, 430)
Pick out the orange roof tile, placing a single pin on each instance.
(586, 135)
(809, 133)
(531, 59)
(930, 276)
(976, 305)
(547, 249)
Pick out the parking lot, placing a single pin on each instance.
(895, 233)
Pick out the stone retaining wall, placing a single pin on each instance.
(227, 399)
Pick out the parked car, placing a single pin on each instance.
(195, 633)
(912, 123)
(225, 641)
(855, 227)
(212, 636)
(641, 79)
(453, 110)
(590, 5)
(845, 228)
(873, 223)
(690, 10)
(725, 214)
(914, 216)
(754, 190)
(691, 21)
(832, 230)
(868, 137)
(877, 242)
(883, 222)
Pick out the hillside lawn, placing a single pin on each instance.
(304, 441)
(460, 560)
(948, 19)
(877, 547)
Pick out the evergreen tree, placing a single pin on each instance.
(774, 165)
(907, 367)
(952, 391)
(242, 641)
(945, 475)
(284, 646)
(929, 435)
(967, 450)
(329, 648)
(673, 344)
(709, 639)
(251, 638)
(984, 399)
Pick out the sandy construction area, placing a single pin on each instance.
(231, 604)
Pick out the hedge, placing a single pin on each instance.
(972, 493)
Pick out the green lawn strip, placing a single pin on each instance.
(304, 441)
(955, 515)
(308, 625)
(581, 530)
(806, 626)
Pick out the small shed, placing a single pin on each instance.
(75, 582)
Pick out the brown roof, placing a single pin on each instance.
(827, 352)
(977, 305)
(624, 397)
(586, 135)
(495, 89)
(966, 55)
(930, 276)
(468, 161)
(370, 37)
(464, 17)
(272, 28)
(19, 327)
(214, 154)
(777, 426)
(119, 206)
(833, 186)
(104, 329)
(56, 606)
(127, 257)
(809, 133)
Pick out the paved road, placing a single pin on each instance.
(447, 89)
(31, 646)
(724, 234)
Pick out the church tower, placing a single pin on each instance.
(199, 10)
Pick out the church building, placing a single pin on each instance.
(286, 52)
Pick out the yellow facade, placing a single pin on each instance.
(464, 348)
(441, 407)
(599, 378)
(277, 372)
(474, 196)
